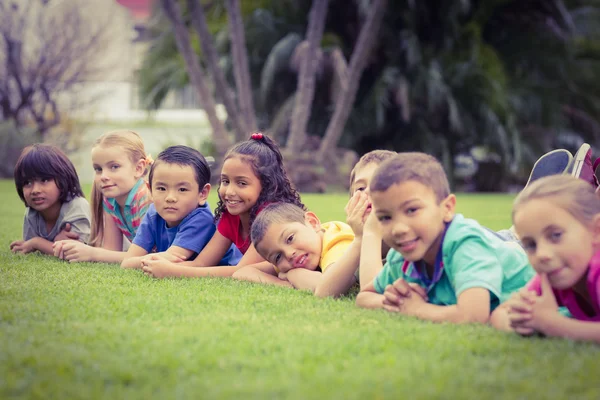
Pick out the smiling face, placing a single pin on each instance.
(42, 194)
(292, 245)
(556, 243)
(240, 187)
(412, 219)
(115, 173)
(175, 192)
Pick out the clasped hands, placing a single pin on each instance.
(404, 297)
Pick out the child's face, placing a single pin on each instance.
(41, 194)
(293, 245)
(175, 192)
(362, 178)
(557, 243)
(412, 221)
(240, 188)
(115, 174)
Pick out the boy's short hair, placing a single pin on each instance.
(183, 156)
(375, 156)
(412, 166)
(276, 213)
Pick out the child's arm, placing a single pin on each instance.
(339, 276)
(133, 257)
(263, 272)
(33, 244)
(370, 251)
(369, 297)
(304, 279)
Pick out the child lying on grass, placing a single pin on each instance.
(302, 252)
(442, 266)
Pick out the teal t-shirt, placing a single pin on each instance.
(472, 257)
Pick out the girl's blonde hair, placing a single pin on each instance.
(132, 144)
(574, 195)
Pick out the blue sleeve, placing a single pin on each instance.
(195, 233)
(392, 271)
(474, 264)
(145, 236)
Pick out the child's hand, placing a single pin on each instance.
(282, 276)
(73, 251)
(544, 311)
(519, 311)
(22, 246)
(156, 266)
(403, 296)
(66, 234)
(357, 211)
(372, 224)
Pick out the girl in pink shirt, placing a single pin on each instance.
(558, 221)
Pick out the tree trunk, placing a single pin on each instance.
(212, 60)
(240, 64)
(358, 62)
(171, 9)
(306, 79)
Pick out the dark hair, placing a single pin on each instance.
(266, 161)
(44, 161)
(375, 156)
(184, 155)
(277, 213)
(411, 166)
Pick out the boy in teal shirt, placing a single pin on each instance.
(442, 266)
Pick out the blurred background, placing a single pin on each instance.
(485, 86)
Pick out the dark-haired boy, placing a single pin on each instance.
(179, 223)
(459, 271)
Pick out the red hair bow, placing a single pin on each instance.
(257, 136)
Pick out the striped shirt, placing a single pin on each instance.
(130, 218)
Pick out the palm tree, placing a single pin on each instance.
(358, 62)
(172, 11)
(212, 60)
(240, 63)
(306, 75)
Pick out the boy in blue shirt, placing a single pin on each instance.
(442, 266)
(179, 223)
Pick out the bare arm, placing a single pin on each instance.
(42, 245)
(473, 305)
(558, 325)
(260, 273)
(133, 258)
(304, 279)
(113, 237)
(369, 298)
(339, 276)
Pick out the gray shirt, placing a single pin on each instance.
(75, 212)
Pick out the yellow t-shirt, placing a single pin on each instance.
(337, 237)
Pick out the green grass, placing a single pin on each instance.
(96, 331)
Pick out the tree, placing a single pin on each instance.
(240, 125)
(240, 63)
(173, 12)
(47, 50)
(358, 61)
(306, 76)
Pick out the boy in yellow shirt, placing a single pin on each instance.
(302, 252)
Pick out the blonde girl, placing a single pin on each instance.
(252, 176)
(120, 198)
(558, 221)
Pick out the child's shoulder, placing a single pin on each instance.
(77, 204)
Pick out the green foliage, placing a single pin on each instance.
(96, 331)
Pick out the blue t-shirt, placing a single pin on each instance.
(470, 257)
(192, 233)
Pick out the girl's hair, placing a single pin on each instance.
(372, 157)
(184, 156)
(131, 144)
(574, 195)
(44, 161)
(263, 155)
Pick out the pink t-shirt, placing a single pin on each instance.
(568, 298)
(230, 227)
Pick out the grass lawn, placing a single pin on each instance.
(96, 331)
